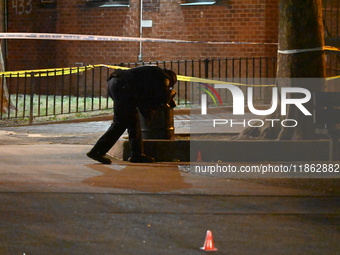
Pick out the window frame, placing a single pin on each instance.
(108, 3)
(197, 2)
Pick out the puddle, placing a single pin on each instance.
(140, 178)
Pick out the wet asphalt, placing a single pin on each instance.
(55, 200)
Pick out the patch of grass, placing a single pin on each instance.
(42, 108)
(41, 105)
(54, 108)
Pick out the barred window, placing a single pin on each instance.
(48, 3)
(205, 2)
(108, 3)
(198, 2)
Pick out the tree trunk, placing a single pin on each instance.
(300, 55)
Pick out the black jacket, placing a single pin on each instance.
(143, 87)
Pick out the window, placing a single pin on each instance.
(205, 2)
(107, 3)
(48, 3)
(197, 2)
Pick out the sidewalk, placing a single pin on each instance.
(55, 200)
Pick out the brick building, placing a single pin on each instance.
(221, 20)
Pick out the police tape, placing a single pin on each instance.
(54, 71)
(332, 78)
(74, 70)
(104, 38)
(331, 48)
(191, 79)
(44, 72)
(295, 51)
(203, 80)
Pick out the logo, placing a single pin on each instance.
(210, 94)
(288, 96)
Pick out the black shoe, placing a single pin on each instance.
(141, 158)
(98, 157)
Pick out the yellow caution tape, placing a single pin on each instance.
(54, 71)
(114, 67)
(73, 70)
(332, 78)
(203, 80)
(45, 72)
(331, 48)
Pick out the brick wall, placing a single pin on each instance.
(234, 20)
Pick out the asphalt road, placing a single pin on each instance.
(55, 200)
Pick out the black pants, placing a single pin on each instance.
(126, 116)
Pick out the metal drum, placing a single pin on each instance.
(161, 126)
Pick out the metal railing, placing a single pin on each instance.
(35, 94)
(228, 69)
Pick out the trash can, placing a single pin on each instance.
(161, 126)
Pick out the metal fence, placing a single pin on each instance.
(34, 94)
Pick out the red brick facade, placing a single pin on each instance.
(234, 20)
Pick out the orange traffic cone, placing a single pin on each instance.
(199, 157)
(209, 242)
